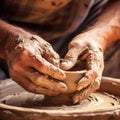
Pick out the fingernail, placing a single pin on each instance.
(64, 63)
(61, 75)
(63, 87)
(76, 100)
(80, 88)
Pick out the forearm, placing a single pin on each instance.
(107, 27)
(8, 36)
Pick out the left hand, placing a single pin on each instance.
(88, 49)
(33, 63)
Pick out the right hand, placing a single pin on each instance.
(85, 47)
(34, 64)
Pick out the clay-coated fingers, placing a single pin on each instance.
(88, 78)
(46, 82)
(43, 66)
(71, 58)
(50, 55)
(29, 86)
(47, 51)
(95, 59)
(84, 93)
(94, 67)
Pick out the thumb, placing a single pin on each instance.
(70, 59)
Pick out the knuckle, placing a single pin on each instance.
(46, 46)
(91, 73)
(74, 45)
(14, 67)
(95, 73)
(23, 55)
(88, 44)
(13, 76)
(30, 88)
(43, 68)
(97, 83)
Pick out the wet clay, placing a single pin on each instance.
(96, 101)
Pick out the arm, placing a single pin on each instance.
(107, 27)
(6, 32)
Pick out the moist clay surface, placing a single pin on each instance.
(96, 101)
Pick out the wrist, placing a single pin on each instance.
(106, 35)
(91, 37)
(107, 27)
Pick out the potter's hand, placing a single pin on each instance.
(84, 48)
(31, 60)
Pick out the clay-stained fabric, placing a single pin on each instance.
(54, 18)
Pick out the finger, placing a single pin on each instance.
(80, 95)
(37, 78)
(40, 64)
(71, 58)
(50, 55)
(41, 79)
(43, 66)
(94, 66)
(29, 86)
(46, 82)
(88, 78)
(95, 58)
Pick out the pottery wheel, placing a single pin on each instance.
(18, 104)
(21, 98)
(95, 101)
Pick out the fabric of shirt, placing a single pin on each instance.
(54, 18)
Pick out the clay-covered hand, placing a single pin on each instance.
(85, 48)
(34, 64)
